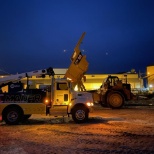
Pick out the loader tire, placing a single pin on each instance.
(115, 100)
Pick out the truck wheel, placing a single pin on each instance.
(115, 100)
(80, 114)
(12, 116)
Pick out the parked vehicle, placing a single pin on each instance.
(60, 99)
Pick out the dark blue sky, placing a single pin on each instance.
(35, 33)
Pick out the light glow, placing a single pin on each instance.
(89, 104)
(69, 79)
(46, 101)
(76, 88)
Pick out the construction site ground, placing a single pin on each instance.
(127, 130)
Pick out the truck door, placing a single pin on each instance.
(61, 99)
(61, 94)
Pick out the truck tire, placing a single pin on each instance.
(80, 114)
(12, 115)
(115, 100)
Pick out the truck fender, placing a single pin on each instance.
(79, 105)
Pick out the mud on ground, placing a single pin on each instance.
(128, 130)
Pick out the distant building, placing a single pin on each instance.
(150, 77)
(93, 81)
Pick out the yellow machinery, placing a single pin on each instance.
(78, 67)
(15, 107)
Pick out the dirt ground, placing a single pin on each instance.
(128, 130)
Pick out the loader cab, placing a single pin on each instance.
(111, 81)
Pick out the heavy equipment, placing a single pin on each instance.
(78, 67)
(18, 104)
(113, 93)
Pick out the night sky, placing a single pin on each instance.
(36, 34)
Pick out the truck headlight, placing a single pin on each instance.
(89, 104)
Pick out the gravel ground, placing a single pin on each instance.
(128, 130)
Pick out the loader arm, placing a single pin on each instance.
(78, 66)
